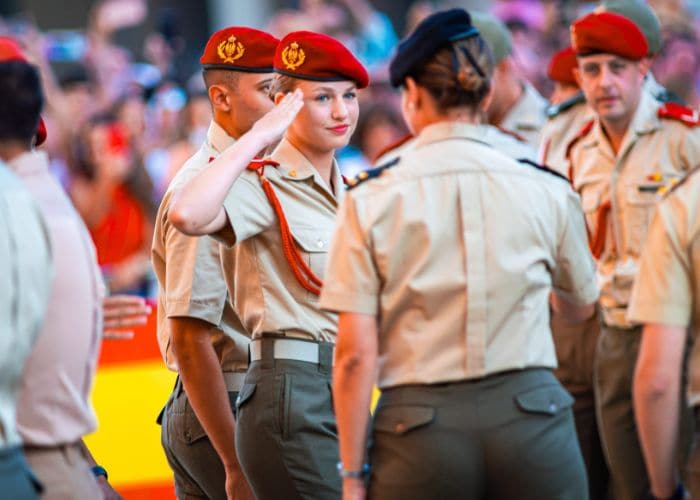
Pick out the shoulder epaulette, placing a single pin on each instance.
(678, 184)
(393, 146)
(673, 111)
(511, 133)
(543, 168)
(556, 109)
(371, 173)
(664, 95)
(580, 135)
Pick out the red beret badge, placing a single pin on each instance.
(229, 50)
(293, 56)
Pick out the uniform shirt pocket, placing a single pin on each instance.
(313, 244)
(639, 207)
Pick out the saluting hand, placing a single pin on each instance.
(272, 125)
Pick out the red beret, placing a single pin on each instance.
(240, 49)
(561, 67)
(313, 56)
(11, 51)
(608, 33)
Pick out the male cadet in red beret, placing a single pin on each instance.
(633, 148)
(199, 333)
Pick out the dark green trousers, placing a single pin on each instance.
(616, 358)
(504, 437)
(576, 348)
(286, 435)
(17, 481)
(197, 467)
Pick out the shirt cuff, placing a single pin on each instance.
(338, 301)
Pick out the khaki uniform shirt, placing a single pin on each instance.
(25, 283)
(527, 117)
(653, 148)
(668, 290)
(190, 279)
(558, 133)
(266, 293)
(456, 250)
(54, 400)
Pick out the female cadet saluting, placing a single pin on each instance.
(442, 268)
(280, 213)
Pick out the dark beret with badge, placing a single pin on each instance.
(433, 33)
(317, 57)
(240, 49)
(11, 51)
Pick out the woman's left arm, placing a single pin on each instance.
(354, 374)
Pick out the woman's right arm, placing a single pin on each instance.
(197, 208)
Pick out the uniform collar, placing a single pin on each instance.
(528, 113)
(30, 162)
(294, 166)
(449, 130)
(217, 138)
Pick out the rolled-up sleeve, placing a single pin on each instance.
(351, 281)
(663, 290)
(248, 210)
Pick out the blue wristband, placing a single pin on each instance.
(355, 474)
(98, 471)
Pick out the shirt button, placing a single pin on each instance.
(400, 427)
(552, 407)
(292, 173)
(320, 243)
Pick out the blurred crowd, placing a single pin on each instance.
(121, 124)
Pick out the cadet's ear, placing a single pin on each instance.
(278, 97)
(219, 98)
(486, 101)
(412, 93)
(644, 66)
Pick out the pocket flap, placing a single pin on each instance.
(548, 400)
(312, 240)
(246, 393)
(401, 419)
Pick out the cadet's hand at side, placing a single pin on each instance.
(123, 312)
(237, 487)
(354, 489)
(271, 126)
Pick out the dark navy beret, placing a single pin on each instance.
(429, 36)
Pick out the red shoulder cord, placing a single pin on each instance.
(303, 273)
(597, 241)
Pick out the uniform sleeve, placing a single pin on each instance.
(194, 284)
(574, 276)
(351, 281)
(248, 210)
(690, 148)
(663, 290)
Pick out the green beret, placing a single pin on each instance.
(640, 14)
(495, 33)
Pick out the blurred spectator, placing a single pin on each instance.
(113, 194)
(678, 65)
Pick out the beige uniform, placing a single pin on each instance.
(503, 141)
(190, 279)
(25, 285)
(267, 295)
(191, 285)
(619, 193)
(527, 116)
(475, 299)
(558, 133)
(455, 251)
(667, 290)
(654, 152)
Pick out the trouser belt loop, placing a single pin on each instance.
(325, 357)
(267, 347)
